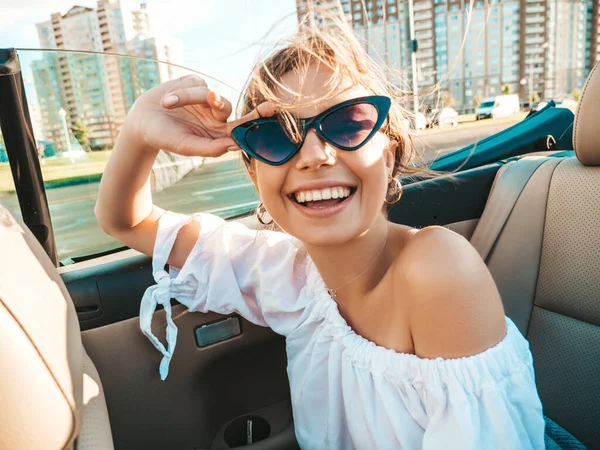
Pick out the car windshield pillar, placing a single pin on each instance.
(21, 150)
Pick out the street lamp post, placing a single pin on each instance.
(529, 80)
(413, 55)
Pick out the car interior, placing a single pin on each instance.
(77, 373)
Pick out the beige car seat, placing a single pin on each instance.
(51, 396)
(545, 259)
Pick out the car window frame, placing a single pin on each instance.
(19, 140)
(24, 163)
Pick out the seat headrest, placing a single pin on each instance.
(41, 384)
(586, 132)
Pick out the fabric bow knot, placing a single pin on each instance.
(163, 283)
(160, 293)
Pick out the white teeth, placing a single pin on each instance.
(322, 194)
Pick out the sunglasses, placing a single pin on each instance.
(347, 126)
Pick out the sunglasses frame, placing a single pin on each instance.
(381, 103)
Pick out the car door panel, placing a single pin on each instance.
(206, 387)
(114, 283)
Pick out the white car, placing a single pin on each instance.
(420, 121)
(498, 106)
(445, 116)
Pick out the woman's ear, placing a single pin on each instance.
(390, 156)
(252, 172)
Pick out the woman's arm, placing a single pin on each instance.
(124, 208)
(194, 125)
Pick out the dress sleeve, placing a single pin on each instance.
(231, 269)
(487, 401)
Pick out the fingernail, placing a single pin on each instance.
(232, 149)
(218, 100)
(170, 100)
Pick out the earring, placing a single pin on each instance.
(394, 191)
(261, 212)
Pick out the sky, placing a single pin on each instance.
(221, 38)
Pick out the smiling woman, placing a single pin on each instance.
(395, 337)
(340, 315)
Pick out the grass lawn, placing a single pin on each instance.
(58, 169)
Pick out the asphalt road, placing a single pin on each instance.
(221, 187)
(450, 139)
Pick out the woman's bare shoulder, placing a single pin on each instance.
(452, 302)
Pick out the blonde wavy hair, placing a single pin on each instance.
(336, 48)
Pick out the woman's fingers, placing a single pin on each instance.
(220, 107)
(266, 109)
(192, 145)
(191, 80)
(194, 95)
(199, 96)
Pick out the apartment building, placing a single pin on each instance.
(537, 48)
(96, 89)
(594, 25)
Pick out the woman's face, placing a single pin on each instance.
(321, 169)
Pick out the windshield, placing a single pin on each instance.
(77, 115)
(487, 104)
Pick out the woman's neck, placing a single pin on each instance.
(361, 263)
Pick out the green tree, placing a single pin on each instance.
(477, 99)
(82, 134)
(506, 89)
(576, 94)
(536, 97)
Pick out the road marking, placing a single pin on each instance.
(236, 206)
(221, 189)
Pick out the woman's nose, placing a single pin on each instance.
(314, 153)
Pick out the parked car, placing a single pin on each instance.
(443, 117)
(420, 121)
(498, 106)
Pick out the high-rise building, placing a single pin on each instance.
(594, 26)
(92, 89)
(566, 49)
(537, 48)
(477, 54)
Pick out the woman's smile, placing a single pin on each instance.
(322, 202)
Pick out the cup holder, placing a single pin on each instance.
(246, 430)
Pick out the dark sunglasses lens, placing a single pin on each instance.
(269, 141)
(350, 126)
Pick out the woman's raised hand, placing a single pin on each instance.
(184, 116)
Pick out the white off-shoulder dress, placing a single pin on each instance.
(346, 392)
